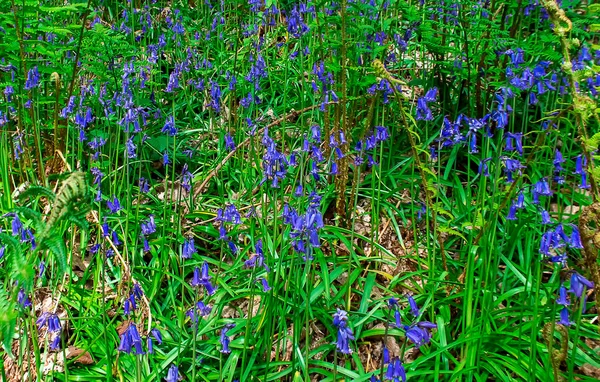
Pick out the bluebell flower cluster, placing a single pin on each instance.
(202, 278)
(274, 163)
(344, 333)
(200, 309)
(258, 258)
(578, 286)
(224, 339)
(131, 341)
(52, 323)
(295, 22)
(131, 302)
(147, 228)
(22, 298)
(555, 241)
(188, 249)
(24, 234)
(424, 113)
(305, 228)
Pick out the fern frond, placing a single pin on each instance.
(74, 187)
(35, 192)
(8, 320)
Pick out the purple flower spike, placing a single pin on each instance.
(225, 339)
(189, 248)
(344, 335)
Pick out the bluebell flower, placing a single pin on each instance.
(55, 343)
(419, 333)
(483, 167)
(541, 188)
(131, 149)
(224, 339)
(157, 335)
(414, 309)
(229, 143)
(395, 371)
(517, 138)
(8, 92)
(199, 310)
(149, 345)
(115, 238)
(204, 280)
(203, 309)
(16, 225)
(546, 217)
(196, 278)
(512, 212)
(575, 239)
(398, 319)
(186, 178)
(580, 164)
(560, 231)
(23, 299)
(423, 111)
(450, 133)
(564, 317)
(131, 341)
(143, 185)
(33, 78)
(169, 126)
(563, 299)
(334, 169)
(232, 215)
(172, 374)
(17, 141)
(189, 249)
(232, 247)
(381, 133)
(431, 94)
(148, 227)
(265, 284)
(421, 211)
(344, 334)
(579, 283)
(584, 184)
(137, 290)
(114, 206)
(215, 97)
(512, 166)
(546, 242)
(520, 203)
(50, 320)
(516, 56)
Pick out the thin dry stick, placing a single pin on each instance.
(293, 113)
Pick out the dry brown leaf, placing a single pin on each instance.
(83, 357)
